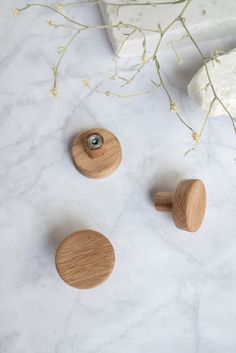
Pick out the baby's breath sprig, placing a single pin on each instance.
(172, 104)
(62, 51)
(120, 95)
(77, 27)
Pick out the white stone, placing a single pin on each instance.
(223, 75)
(206, 20)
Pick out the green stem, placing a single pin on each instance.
(148, 3)
(56, 68)
(168, 94)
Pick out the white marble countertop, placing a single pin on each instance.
(170, 291)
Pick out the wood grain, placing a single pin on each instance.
(189, 204)
(85, 259)
(102, 166)
(164, 201)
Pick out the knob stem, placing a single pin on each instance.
(93, 144)
(164, 201)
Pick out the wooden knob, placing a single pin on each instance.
(188, 204)
(96, 153)
(85, 259)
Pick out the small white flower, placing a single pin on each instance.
(59, 7)
(173, 107)
(54, 92)
(144, 60)
(15, 12)
(50, 22)
(86, 83)
(196, 136)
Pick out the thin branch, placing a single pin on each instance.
(127, 4)
(171, 102)
(203, 127)
(56, 68)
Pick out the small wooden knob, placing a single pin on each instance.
(96, 153)
(85, 259)
(188, 204)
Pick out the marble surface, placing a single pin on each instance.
(170, 291)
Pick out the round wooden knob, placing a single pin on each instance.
(96, 153)
(85, 259)
(188, 204)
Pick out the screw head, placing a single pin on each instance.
(95, 141)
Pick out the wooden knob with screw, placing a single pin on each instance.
(187, 203)
(96, 153)
(85, 259)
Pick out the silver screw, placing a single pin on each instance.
(95, 141)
